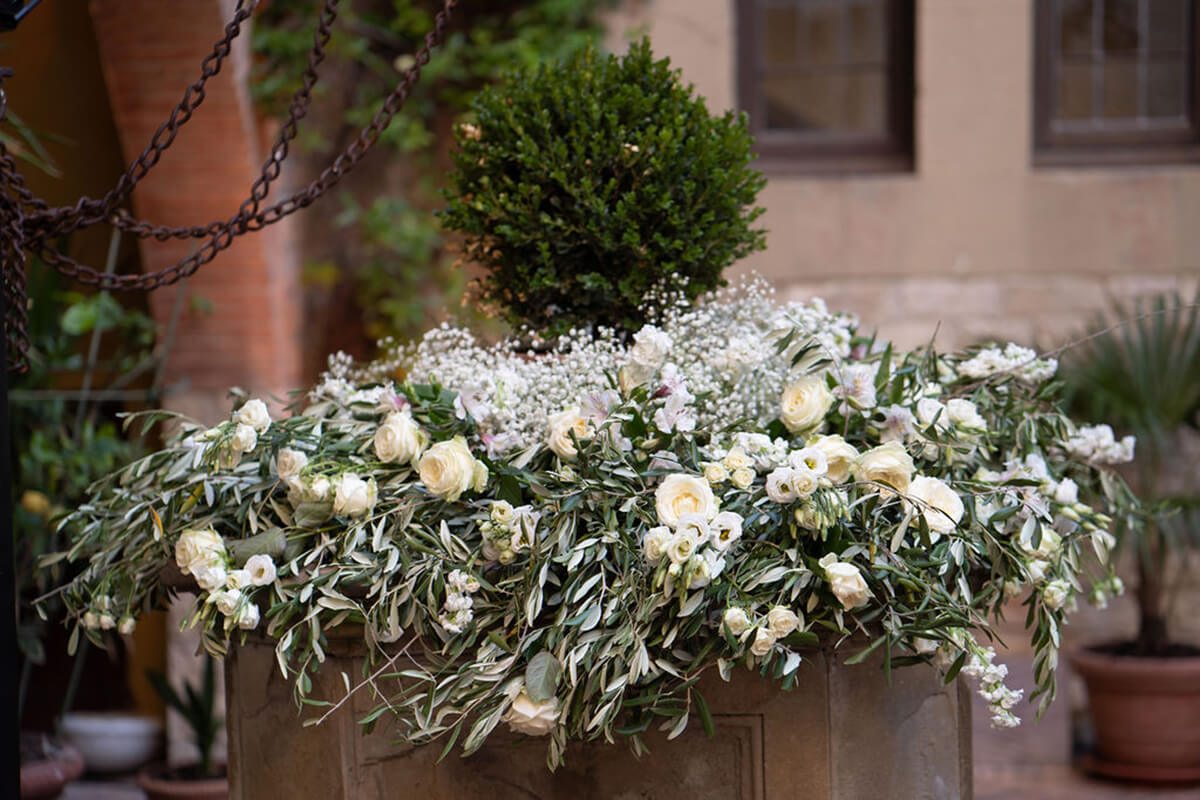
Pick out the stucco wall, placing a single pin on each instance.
(974, 239)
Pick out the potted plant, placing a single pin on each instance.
(204, 780)
(688, 488)
(1140, 369)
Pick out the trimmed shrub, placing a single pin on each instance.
(593, 189)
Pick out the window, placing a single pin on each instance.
(1115, 81)
(828, 84)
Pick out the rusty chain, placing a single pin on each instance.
(30, 224)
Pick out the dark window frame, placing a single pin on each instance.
(1052, 147)
(784, 151)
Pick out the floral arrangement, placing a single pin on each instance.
(564, 542)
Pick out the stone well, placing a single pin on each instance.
(843, 734)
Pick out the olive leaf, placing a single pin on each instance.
(541, 676)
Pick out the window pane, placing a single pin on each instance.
(865, 109)
(1168, 26)
(803, 103)
(1167, 89)
(820, 33)
(865, 22)
(1121, 26)
(1074, 90)
(1120, 89)
(1074, 26)
(780, 29)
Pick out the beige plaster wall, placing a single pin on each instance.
(974, 239)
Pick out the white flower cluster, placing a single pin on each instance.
(1020, 361)
(456, 611)
(779, 623)
(202, 554)
(693, 537)
(508, 531)
(102, 617)
(251, 419)
(1098, 445)
(981, 666)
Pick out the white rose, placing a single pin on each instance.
(715, 472)
(742, 478)
(736, 621)
(804, 403)
(353, 496)
(226, 601)
(965, 415)
(941, 506)
(1056, 593)
(317, 490)
(764, 641)
(91, 620)
(846, 582)
(655, 544)
(289, 463)
(650, 348)
(726, 529)
(448, 469)
(261, 569)
(254, 414)
(197, 549)
(684, 494)
(928, 410)
(530, 717)
(682, 545)
(210, 578)
(244, 439)
(247, 618)
(559, 429)
(782, 621)
(779, 487)
(399, 439)
(889, 463)
(803, 482)
(237, 579)
(107, 622)
(1067, 492)
(839, 457)
(126, 626)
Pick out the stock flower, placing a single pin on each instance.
(804, 403)
(938, 504)
(400, 439)
(254, 414)
(684, 494)
(448, 469)
(530, 717)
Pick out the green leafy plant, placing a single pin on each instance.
(592, 187)
(197, 706)
(1140, 370)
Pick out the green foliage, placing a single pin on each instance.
(591, 187)
(402, 269)
(197, 706)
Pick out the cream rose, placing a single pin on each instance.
(736, 459)
(940, 505)
(211, 578)
(764, 641)
(682, 545)
(804, 403)
(261, 569)
(889, 463)
(530, 717)
(353, 497)
(803, 482)
(254, 413)
(742, 478)
(650, 348)
(846, 582)
(715, 472)
(226, 601)
(289, 463)
(448, 469)
(247, 618)
(655, 544)
(782, 621)
(197, 549)
(244, 439)
(399, 439)
(736, 621)
(126, 626)
(839, 457)
(559, 429)
(684, 494)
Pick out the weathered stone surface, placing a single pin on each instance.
(843, 734)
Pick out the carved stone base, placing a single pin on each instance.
(843, 734)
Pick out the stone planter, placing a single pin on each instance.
(843, 734)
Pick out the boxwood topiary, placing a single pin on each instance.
(593, 188)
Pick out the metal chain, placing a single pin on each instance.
(30, 223)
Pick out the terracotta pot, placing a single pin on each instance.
(47, 766)
(158, 784)
(1146, 714)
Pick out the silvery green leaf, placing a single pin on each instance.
(541, 676)
(592, 619)
(312, 515)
